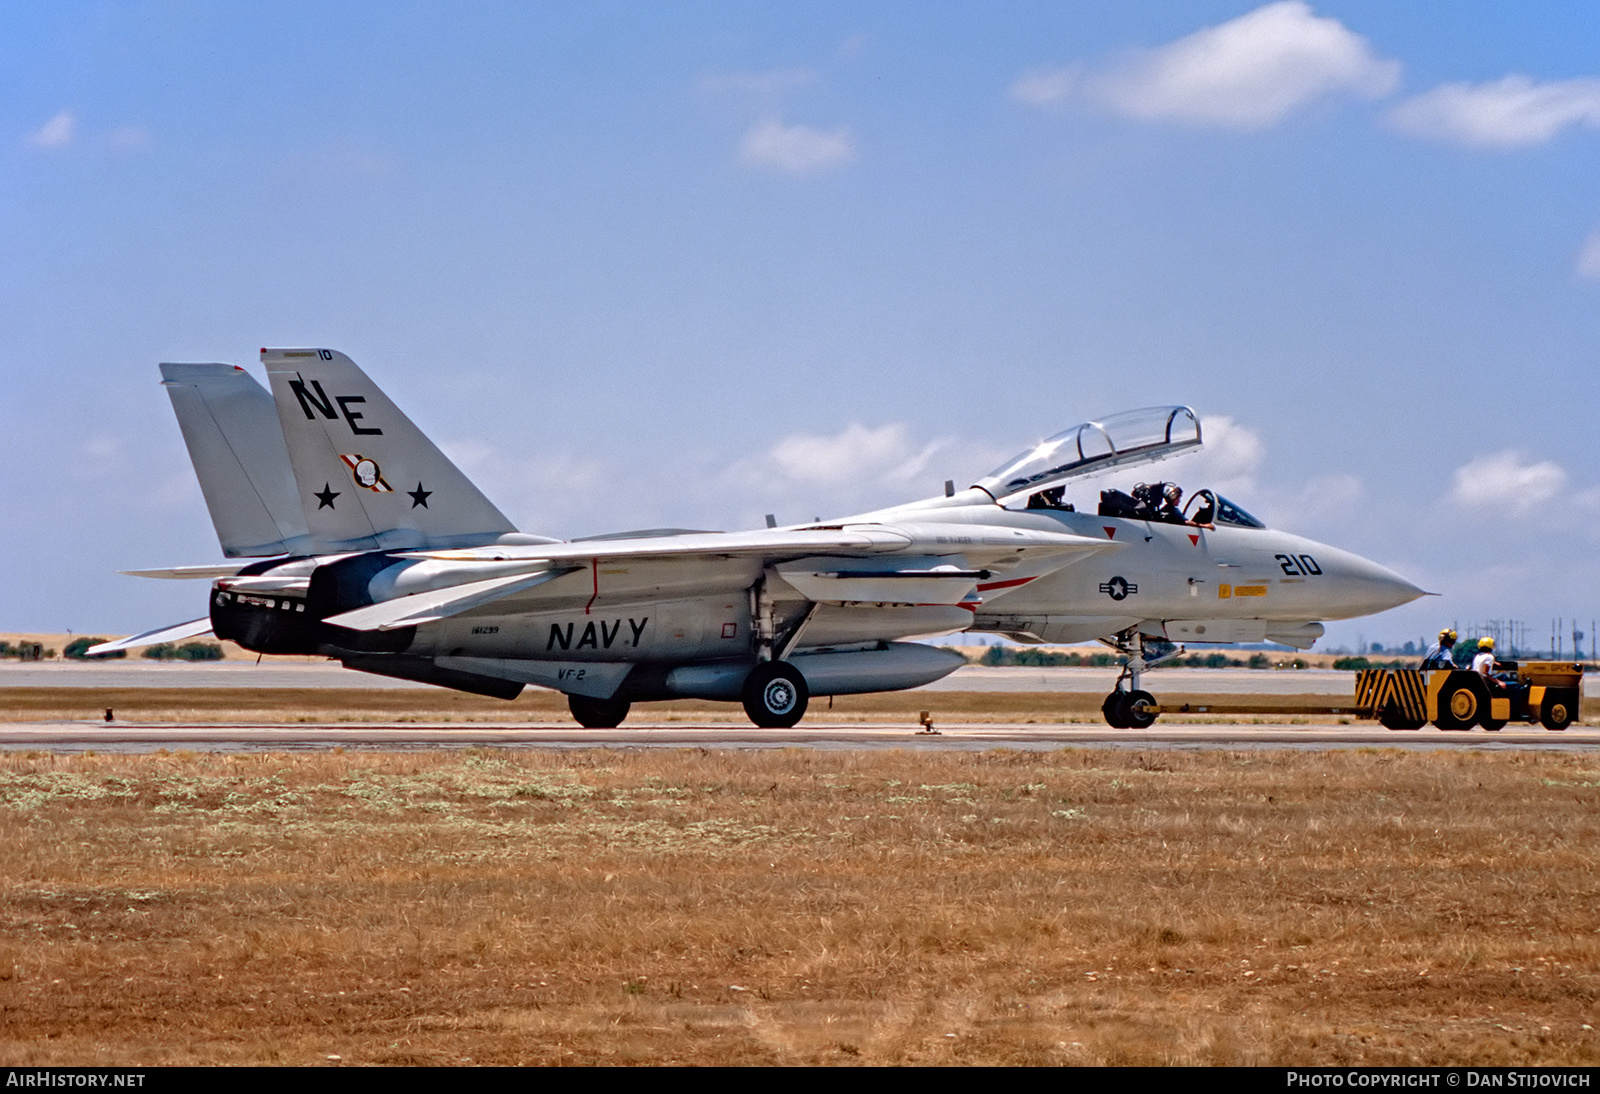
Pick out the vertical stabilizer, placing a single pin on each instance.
(231, 429)
(367, 477)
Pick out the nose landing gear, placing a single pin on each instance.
(1128, 706)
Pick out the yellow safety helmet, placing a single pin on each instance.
(1447, 637)
(1486, 643)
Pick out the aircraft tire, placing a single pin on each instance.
(594, 713)
(1112, 708)
(1462, 701)
(1556, 712)
(1135, 719)
(775, 695)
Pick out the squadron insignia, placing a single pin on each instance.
(366, 473)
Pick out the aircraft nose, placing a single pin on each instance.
(1365, 588)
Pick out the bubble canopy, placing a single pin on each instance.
(1121, 440)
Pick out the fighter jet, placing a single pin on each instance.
(372, 548)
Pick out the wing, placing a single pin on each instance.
(908, 563)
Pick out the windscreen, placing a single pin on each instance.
(1121, 440)
(1229, 513)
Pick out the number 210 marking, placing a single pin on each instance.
(1302, 566)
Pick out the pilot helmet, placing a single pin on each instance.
(1486, 643)
(1174, 493)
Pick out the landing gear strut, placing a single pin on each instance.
(1128, 706)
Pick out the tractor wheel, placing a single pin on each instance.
(1463, 700)
(1557, 711)
(1392, 717)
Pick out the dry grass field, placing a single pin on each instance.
(714, 907)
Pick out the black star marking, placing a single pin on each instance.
(419, 496)
(325, 496)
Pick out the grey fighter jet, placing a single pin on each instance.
(371, 547)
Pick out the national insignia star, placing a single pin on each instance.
(419, 496)
(325, 496)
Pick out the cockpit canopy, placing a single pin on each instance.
(1160, 502)
(1121, 440)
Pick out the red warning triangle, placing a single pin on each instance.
(1111, 533)
(1194, 538)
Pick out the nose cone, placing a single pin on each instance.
(1362, 587)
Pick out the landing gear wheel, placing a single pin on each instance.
(775, 695)
(1462, 701)
(598, 713)
(1132, 716)
(1556, 712)
(1112, 708)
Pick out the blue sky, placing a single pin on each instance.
(640, 265)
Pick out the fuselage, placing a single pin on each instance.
(1180, 581)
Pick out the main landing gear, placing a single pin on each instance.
(775, 695)
(1128, 706)
(598, 713)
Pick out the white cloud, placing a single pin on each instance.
(1589, 257)
(798, 149)
(57, 132)
(884, 453)
(1505, 482)
(1248, 73)
(1230, 457)
(1510, 112)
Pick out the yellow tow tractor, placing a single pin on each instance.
(1547, 692)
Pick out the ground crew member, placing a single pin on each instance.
(1438, 655)
(1483, 663)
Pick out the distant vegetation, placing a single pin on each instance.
(77, 647)
(189, 651)
(25, 651)
(1356, 664)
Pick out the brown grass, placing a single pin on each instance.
(1376, 907)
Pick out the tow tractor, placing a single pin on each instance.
(1546, 692)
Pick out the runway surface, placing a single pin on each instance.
(100, 737)
(329, 674)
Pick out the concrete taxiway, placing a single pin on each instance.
(329, 674)
(80, 737)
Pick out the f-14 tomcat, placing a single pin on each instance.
(371, 547)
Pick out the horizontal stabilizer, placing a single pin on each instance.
(187, 573)
(437, 604)
(193, 629)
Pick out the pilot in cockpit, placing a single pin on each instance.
(1171, 509)
(1050, 499)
